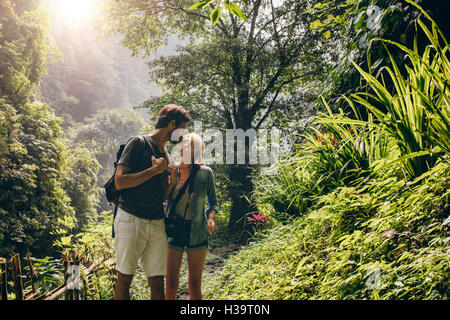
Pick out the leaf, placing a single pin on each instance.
(215, 15)
(200, 4)
(234, 9)
(315, 24)
(408, 156)
(300, 265)
(66, 240)
(327, 35)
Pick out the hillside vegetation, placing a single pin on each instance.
(363, 206)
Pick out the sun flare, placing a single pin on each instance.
(75, 13)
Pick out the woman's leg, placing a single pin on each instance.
(196, 262)
(174, 260)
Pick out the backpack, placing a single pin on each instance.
(112, 194)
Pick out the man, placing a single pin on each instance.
(142, 175)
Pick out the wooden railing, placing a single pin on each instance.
(71, 287)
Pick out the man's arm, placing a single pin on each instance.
(125, 180)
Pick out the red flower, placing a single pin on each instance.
(258, 219)
(333, 140)
(319, 139)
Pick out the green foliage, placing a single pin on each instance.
(34, 207)
(353, 24)
(49, 273)
(414, 128)
(142, 26)
(215, 14)
(93, 244)
(243, 76)
(80, 184)
(388, 225)
(344, 154)
(101, 134)
(91, 75)
(23, 48)
(417, 116)
(32, 199)
(372, 225)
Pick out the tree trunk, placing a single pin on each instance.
(240, 188)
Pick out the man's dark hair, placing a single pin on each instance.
(172, 112)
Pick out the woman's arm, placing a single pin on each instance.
(172, 184)
(210, 224)
(211, 193)
(212, 203)
(169, 190)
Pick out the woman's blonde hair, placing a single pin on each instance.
(193, 144)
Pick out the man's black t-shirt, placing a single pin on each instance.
(145, 200)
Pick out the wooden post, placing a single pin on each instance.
(76, 291)
(17, 276)
(3, 280)
(69, 293)
(30, 265)
(76, 294)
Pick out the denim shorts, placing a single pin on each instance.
(181, 240)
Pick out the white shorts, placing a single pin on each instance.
(140, 240)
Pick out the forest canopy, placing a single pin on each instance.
(53, 78)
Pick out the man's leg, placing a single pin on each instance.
(127, 252)
(154, 259)
(156, 285)
(123, 283)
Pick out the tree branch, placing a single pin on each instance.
(269, 109)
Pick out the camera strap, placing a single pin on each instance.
(189, 182)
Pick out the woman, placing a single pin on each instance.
(197, 222)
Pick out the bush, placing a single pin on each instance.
(386, 240)
(343, 155)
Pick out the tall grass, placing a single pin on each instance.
(342, 152)
(418, 111)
